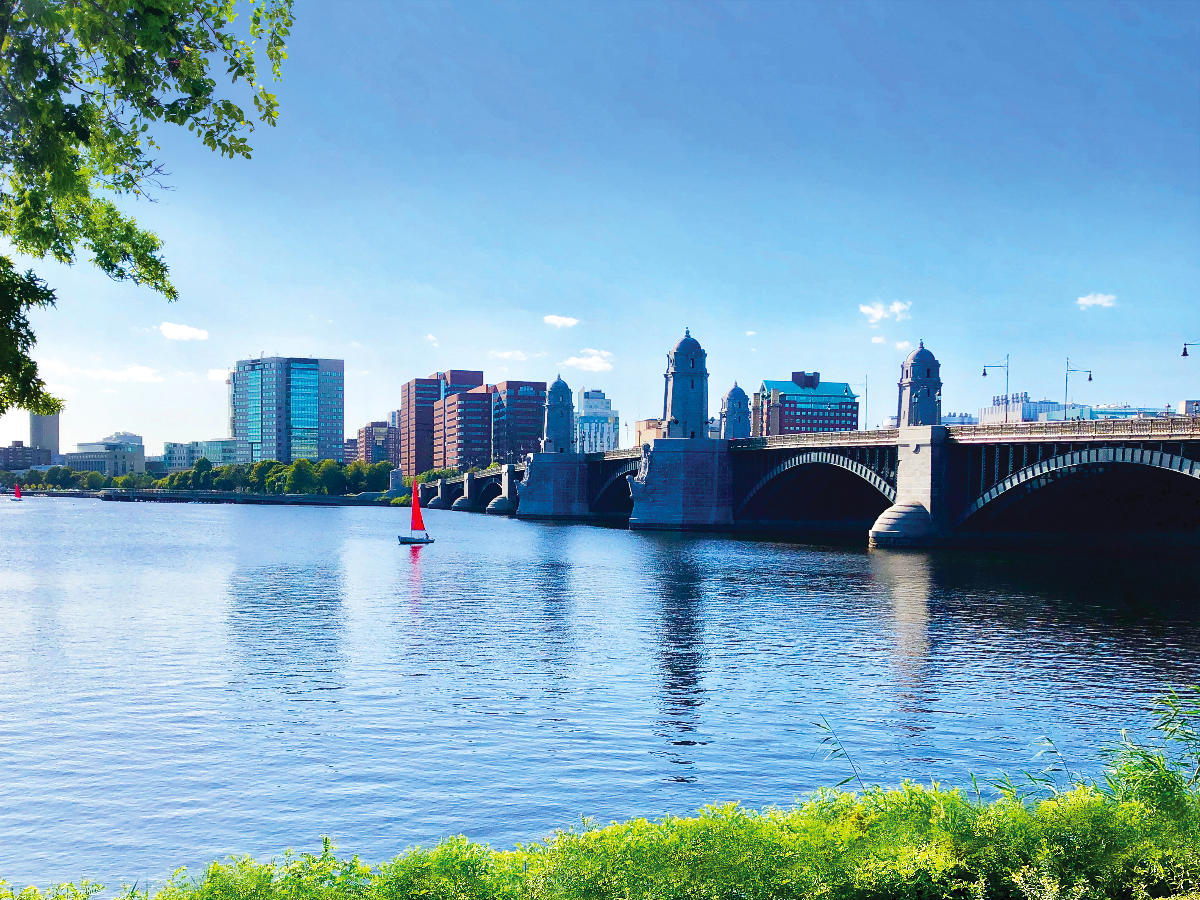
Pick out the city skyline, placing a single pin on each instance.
(1029, 190)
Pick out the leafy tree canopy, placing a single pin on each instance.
(84, 84)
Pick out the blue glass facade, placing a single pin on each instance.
(288, 408)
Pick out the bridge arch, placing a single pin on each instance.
(819, 457)
(488, 491)
(616, 482)
(1048, 471)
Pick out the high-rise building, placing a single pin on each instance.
(597, 426)
(462, 429)
(517, 409)
(350, 449)
(289, 408)
(394, 418)
(378, 442)
(418, 399)
(804, 404)
(43, 433)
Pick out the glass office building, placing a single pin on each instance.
(288, 408)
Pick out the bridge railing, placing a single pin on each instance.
(1165, 428)
(631, 453)
(880, 436)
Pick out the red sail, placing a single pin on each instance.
(418, 524)
(17, 488)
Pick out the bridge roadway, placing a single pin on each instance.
(906, 487)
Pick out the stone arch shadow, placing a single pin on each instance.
(1132, 489)
(815, 490)
(614, 497)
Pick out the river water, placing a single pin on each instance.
(183, 682)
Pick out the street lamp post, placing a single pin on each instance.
(1189, 344)
(1004, 366)
(1067, 384)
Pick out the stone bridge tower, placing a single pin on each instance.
(685, 399)
(920, 389)
(558, 435)
(735, 414)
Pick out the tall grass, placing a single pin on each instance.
(1050, 834)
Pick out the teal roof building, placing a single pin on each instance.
(803, 404)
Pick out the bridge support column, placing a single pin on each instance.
(555, 487)
(506, 503)
(469, 501)
(438, 500)
(426, 491)
(683, 484)
(921, 514)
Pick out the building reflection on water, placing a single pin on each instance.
(680, 587)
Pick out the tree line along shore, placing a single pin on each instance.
(301, 477)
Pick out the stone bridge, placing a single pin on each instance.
(918, 486)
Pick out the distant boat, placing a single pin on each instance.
(416, 529)
(17, 492)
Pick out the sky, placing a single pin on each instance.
(542, 188)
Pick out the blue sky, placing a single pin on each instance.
(804, 185)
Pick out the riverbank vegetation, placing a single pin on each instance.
(267, 477)
(1135, 833)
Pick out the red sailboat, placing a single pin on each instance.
(17, 492)
(416, 529)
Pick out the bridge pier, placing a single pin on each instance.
(469, 501)
(683, 484)
(921, 515)
(555, 487)
(426, 491)
(438, 500)
(506, 503)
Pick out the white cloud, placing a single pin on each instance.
(590, 360)
(560, 321)
(218, 374)
(878, 339)
(514, 355)
(175, 332)
(751, 333)
(903, 345)
(133, 374)
(1102, 300)
(431, 339)
(876, 312)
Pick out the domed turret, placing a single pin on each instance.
(688, 344)
(920, 389)
(735, 414)
(685, 397)
(559, 431)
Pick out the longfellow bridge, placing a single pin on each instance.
(912, 486)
